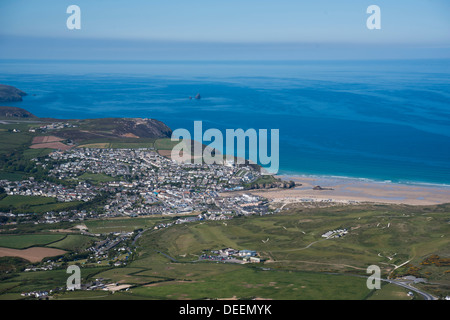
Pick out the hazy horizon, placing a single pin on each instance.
(232, 30)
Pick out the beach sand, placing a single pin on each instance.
(348, 190)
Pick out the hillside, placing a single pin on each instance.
(15, 113)
(110, 129)
(10, 93)
(80, 131)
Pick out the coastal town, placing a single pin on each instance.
(137, 183)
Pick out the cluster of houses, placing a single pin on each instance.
(145, 183)
(148, 183)
(101, 250)
(50, 217)
(327, 201)
(30, 187)
(148, 169)
(53, 126)
(232, 255)
(36, 294)
(335, 233)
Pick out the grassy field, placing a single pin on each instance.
(250, 283)
(385, 236)
(42, 280)
(16, 176)
(392, 292)
(143, 143)
(34, 153)
(293, 269)
(18, 201)
(165, 144)
(124, 224)
(10, 141)
(96, 177)
(28, 240)
(74, 242)
(299, 262)
(33, 204)
(118, 143)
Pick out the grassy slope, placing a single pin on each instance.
(34, 204)
(124, 224)
(28, 240)
(295, 273)
(73, 242)
(410, 235)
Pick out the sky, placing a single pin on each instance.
(227, 29)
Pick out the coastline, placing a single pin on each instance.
(356, 190)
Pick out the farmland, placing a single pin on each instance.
(35, 204)
(123, 224)
(28, 240)
(73, 242)
(159, 258)
(293, 268)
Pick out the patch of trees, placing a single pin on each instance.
(436, 260)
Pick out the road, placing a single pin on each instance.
(408, 286)
(405, 285)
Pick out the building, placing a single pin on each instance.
(247, 253)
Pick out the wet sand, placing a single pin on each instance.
(348, 190)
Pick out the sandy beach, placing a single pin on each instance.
(348, 190)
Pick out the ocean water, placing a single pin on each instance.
(381, 120)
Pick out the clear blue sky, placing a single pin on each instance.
(141, 29)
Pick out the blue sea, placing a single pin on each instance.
(381, 120)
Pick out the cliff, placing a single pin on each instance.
(15, 113)
(10, 93)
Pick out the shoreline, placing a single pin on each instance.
(355, 190)
(417, 183)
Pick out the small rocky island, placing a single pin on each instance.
(321, 188)
(270, 182)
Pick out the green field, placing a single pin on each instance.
(10, 141)
(123, 224)
(35, 153)
(33, 204)
(42, 280)
(292, 242)
(165, 144)
(16, 176)
(299, 263)
(408, 237)
(96, 177)
(18, 201)
(250, 283)
(74, 242)
(143, 143)
(392, 292)
(28, 240)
